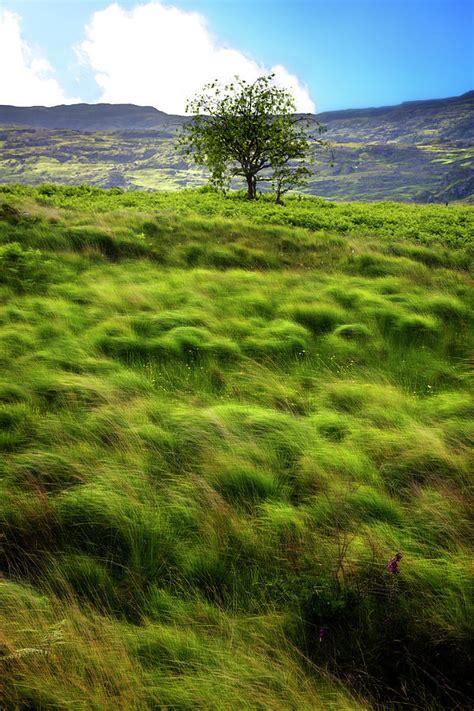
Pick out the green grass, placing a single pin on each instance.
(218, 422)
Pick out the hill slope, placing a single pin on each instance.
(420, 151)
(84, 117)
(218, 423)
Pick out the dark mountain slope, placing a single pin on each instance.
(419, 122)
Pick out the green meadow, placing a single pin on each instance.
(219, 421)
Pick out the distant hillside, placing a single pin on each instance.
(111, 117)
(84, 117)
(417, 151)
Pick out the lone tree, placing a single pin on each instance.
(252, 131)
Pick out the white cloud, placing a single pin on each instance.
(161, 56)
(25, 75)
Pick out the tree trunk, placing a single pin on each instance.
(251, 187)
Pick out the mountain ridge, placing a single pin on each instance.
(82, 116)
(75, 113)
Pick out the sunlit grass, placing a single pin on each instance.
(217, 426)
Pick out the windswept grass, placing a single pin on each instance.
(218, 422)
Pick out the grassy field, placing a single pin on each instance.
(218, 423)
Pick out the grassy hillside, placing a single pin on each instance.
(219, 421)
(419, 151)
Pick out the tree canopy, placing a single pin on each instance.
(251, 130)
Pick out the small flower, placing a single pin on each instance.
(323, 633)
(392, 566)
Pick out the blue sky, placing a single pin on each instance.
(331, 53)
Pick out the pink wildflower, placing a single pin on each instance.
(392, 567)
